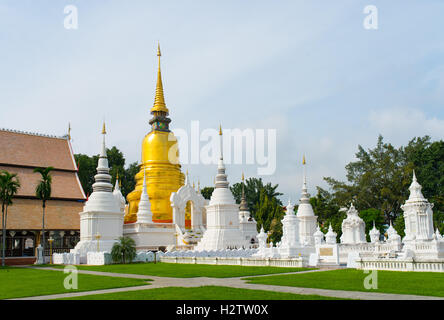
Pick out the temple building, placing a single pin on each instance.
(21, 153)
(160, 163)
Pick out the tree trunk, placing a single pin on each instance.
(43, 232)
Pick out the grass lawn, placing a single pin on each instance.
(200, 293)
(24, 282)
(189, 270)
(417, 283)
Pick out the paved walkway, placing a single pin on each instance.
(237, 282)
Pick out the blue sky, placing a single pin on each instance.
(306, 68)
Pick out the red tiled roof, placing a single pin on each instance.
(30, 150)
(21, 152)
(65, 185)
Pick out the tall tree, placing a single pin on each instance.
(378, 179)
(43, 192)
(9, 185)
(253, 189)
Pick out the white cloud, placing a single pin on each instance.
(400, 123)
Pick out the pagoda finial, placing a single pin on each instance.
(414, 176)
(220, 129)
(159, 100)
(103, 153)
(69, 130)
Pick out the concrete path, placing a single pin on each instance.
(237, 282)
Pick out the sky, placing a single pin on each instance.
(308, 69)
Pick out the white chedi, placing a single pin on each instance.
(101, 221)
(374, 234)
(223, 230)
(418, 214)
(392, 235)
(319, 236)
(290, 228)
(144, 214)
(306, 217)
(353, 228)
(330, 237)
(118, 195)
(262, 238)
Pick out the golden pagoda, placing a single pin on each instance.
(160, 159)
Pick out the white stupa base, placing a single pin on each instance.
(221, 239)
(151, 236)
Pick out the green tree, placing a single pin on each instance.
(378, 179)
(269, 213)
(124, 250)
(253, 189)
(9, 185)
(207, 192)
(43, 192)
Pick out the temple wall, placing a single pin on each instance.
(27, 214)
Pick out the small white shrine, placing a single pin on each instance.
(353, 228)
(305, 215)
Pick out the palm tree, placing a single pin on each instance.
(123, 250)
(9, 185)
(43, 192)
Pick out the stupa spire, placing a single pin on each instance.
(103, 178)
(221, 177)
(159, 99)
(305, 196)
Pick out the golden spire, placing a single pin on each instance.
(243, 177)
(159, 100)
(69, 130)
(303, 160)
(103, 128)
(220, 129)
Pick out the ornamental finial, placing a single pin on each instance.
(159, 100)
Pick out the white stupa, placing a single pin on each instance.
(290, 230)
(418, 214)
(118, 194)
(102, 217)
(222, 215)
(392, 235)
(144, 214)
(306, 217)
(319, 236)
(353, 228)
(374, 234)
(247, 224)
(330, 237)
